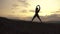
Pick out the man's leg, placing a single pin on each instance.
(33, 17)
(39, 18)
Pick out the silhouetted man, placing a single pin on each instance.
(36, 13)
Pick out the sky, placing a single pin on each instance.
(25, 9)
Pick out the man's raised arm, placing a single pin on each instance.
(39, 7)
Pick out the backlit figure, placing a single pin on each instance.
(36, 13)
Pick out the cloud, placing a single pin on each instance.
(54, 17)
(56, 12)
(20, 4)
(24, 11)
(22, 0)
(31, 10)
(15, 5)
(24, 3)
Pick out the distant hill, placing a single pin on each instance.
(12, 26)
(6, 20)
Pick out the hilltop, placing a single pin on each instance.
(12, 26)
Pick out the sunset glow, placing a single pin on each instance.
(26, 8)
